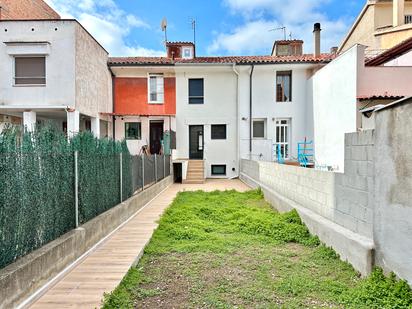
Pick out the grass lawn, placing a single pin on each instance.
(232, 250)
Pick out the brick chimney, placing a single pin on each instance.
(316, 39)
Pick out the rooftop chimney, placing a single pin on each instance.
(287, 48)
(316, 37)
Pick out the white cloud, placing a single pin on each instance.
(109, 24)
(259, 16)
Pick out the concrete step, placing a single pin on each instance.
(191, 181)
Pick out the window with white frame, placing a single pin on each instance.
(156, 88)
(187, 52)
(30, 70)
(259, 128)
(283, 137)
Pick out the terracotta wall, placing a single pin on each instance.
(26, 9)
(131, 97)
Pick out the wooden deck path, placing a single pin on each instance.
(102, 270)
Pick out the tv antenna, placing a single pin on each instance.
(193, 25)
(163, 25)
(283, 28)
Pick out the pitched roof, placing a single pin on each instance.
(384, 96)
(241, 60)
(390, 54)
(26, 9)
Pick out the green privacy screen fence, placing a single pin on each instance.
(38, 184)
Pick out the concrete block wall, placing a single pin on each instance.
(354, 189)
(311, 188)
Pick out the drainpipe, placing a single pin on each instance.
(113, 104)
(250, 109)
(237, 118)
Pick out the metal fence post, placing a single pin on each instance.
(76, 187)
(164, 166)
(155, 168)
(142, 172)
(121, 177)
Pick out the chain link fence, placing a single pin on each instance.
(49, 184)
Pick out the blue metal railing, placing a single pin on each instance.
(305, 153)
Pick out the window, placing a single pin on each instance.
(156, 88)
(259, 129)
(218, 170)
(218, 131)
(282, 137)
(133, 130)
(196, 90)
(408, 19)
(284, 86)
(187, 52)
(30, 70)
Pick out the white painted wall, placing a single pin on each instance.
(219, 108)
(334, 106)
(60, 63)
(135, 145)
(266, 107)
(76, 68)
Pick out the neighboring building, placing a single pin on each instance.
(144, 102)
(227, 108)
(381, 25)
(343, 93)
(54, 70)
(26, 9)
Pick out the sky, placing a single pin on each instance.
(223, 27)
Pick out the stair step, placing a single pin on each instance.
(193, 181)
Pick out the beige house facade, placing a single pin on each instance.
(381, 25)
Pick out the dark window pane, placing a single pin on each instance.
(196, 91)
(258, 129)
(283, 86)
(219, 131)
(132, 130)
(218, 169)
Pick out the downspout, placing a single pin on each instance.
(237, 118)
(250, 109)
(113, 104)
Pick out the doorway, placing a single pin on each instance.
(196, 142)
(156, 136)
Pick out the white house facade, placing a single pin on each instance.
(54, 70)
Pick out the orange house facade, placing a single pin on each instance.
(144, 105)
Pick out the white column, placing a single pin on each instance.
(95, 121)
(73, 123)
(29, 120)
(398, 12)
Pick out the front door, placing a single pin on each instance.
(196, 142)
(156, 136)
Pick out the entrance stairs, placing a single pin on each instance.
(195, 172)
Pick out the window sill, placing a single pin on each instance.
(156, 103)
(280, 102)
(29, 85)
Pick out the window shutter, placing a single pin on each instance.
(160, 88)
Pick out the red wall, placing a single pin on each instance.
(131, 97)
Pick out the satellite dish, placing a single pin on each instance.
(164, 24)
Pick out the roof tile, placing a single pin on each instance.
(307, 58)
